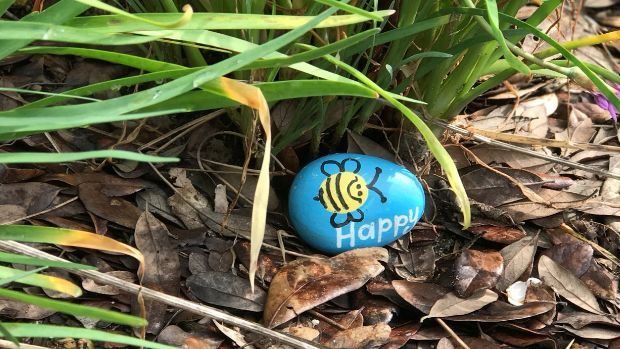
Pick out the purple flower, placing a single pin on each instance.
(604, 103)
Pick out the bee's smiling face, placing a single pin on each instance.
(355, 187)
(343, 192)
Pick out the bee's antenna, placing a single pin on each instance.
(383, 198)
(371, 185)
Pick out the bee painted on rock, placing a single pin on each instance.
(343, 192)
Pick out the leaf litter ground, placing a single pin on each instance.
(538, 267)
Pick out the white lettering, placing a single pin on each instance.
(399, 222)
(385, 224)
(340, 237)
(367, 231)
(413, 217)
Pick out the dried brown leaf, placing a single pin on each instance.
(162, 268)
(306, 283)
(594, 332)
(452, 305)
(477, 270)
(499, 234)
(363, 145)
(227, 290)
(580, 319)
(114, 209)
(419, 294)
(32, 196)
(518, 258)
(567, 285)
(574, 256)
(361, 337)
(444, 343)
(502, 311)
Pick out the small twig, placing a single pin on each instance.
(452, 333)
(327, 320)
(530, 152)
(147, 293)
(42, 212)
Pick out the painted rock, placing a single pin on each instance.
(344, 201)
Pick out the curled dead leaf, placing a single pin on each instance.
(452, 305)
(306, 283)
(567, 285)
(477, 270)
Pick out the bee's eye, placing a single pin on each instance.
(359, 193)
(359, 186)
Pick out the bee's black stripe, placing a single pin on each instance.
(339, 193)
(329, 194)
(321, 198)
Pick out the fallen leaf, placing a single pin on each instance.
(499, 234)
(419, 294)
(156, 201)
(305, 283)
(162, 268)
(567, 285)
(502, 311)
(493, 188)
(227, 290)
(19, 310)
(92, 286)
(518, 257)
(234, 335)
(361, 337)
(34, 197)
(594, 332)
(477, 270)
(12, 214)
(520, 337)
(360, 144)
(575, 257)
(400, 335)
(307, 333)
(114, 209)
(452, 305)
(600, 282)
(444, 343)
(580, 319)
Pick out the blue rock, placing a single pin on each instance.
(344, 201)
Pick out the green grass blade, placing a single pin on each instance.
(273, 91)
(352, 9)
(43, 31)
(598, 82)
(105, 111)
(24, 158)
(21, 274)
(74, 309)
(429, 54)
(22, 90)
(45, 281)
(52, 331)
(6, 334)
(55, 14)
(215, 21)
(4, 5)
(440, 153)
(493, 17)
(178, 22)
(26, 260)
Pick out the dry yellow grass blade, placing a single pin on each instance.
(253, 97)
